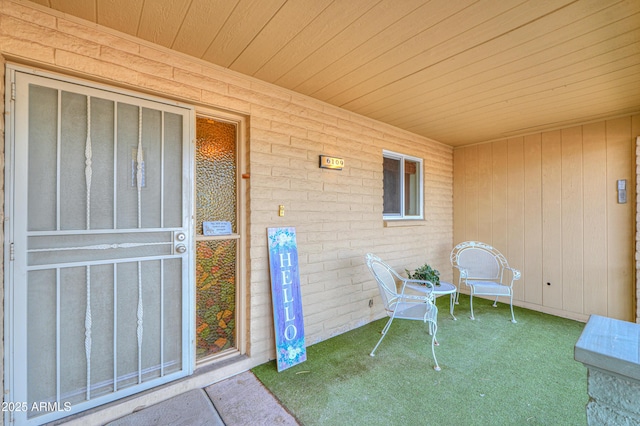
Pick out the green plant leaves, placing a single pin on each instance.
(425, 273)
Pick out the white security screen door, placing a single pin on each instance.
(98, 200)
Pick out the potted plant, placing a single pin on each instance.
(425, 273)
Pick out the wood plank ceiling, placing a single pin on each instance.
(457, 71)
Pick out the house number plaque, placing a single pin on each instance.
(327, 162)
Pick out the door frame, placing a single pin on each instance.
(242, 294)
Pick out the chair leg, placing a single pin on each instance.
(386, 326)
(513, 319)
(495, 302)
(384, 333)
(432, 332)
(434, 343)
(471, 304)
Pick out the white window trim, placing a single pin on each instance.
(403, 158)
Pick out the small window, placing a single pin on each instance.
(402, 186)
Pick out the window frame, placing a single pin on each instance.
(420, 190)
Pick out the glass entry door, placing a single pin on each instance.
(217, 237)
(99, 211)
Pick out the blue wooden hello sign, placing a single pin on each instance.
(285, 294)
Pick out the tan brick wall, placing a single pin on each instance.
(637, 256)
(337, 214)
(635, 134)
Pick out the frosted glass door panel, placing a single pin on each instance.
(216, 173)
(216, 255)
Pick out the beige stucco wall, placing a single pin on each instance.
(337, 214)
(549, 202)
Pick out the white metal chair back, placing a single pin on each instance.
(387, 284)
(388, 280)
(399, 305)
(482, 268)
(480, 263)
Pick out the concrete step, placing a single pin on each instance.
(236, 401)
(193, 408)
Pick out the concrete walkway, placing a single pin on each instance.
(239, 400)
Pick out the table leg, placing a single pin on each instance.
(452, 302)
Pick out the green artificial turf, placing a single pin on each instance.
(493, 372)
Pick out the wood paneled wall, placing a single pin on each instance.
(548, 202)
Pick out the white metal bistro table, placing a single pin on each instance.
(439, 290)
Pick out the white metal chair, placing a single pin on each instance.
(482, 268)
(403, 306)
